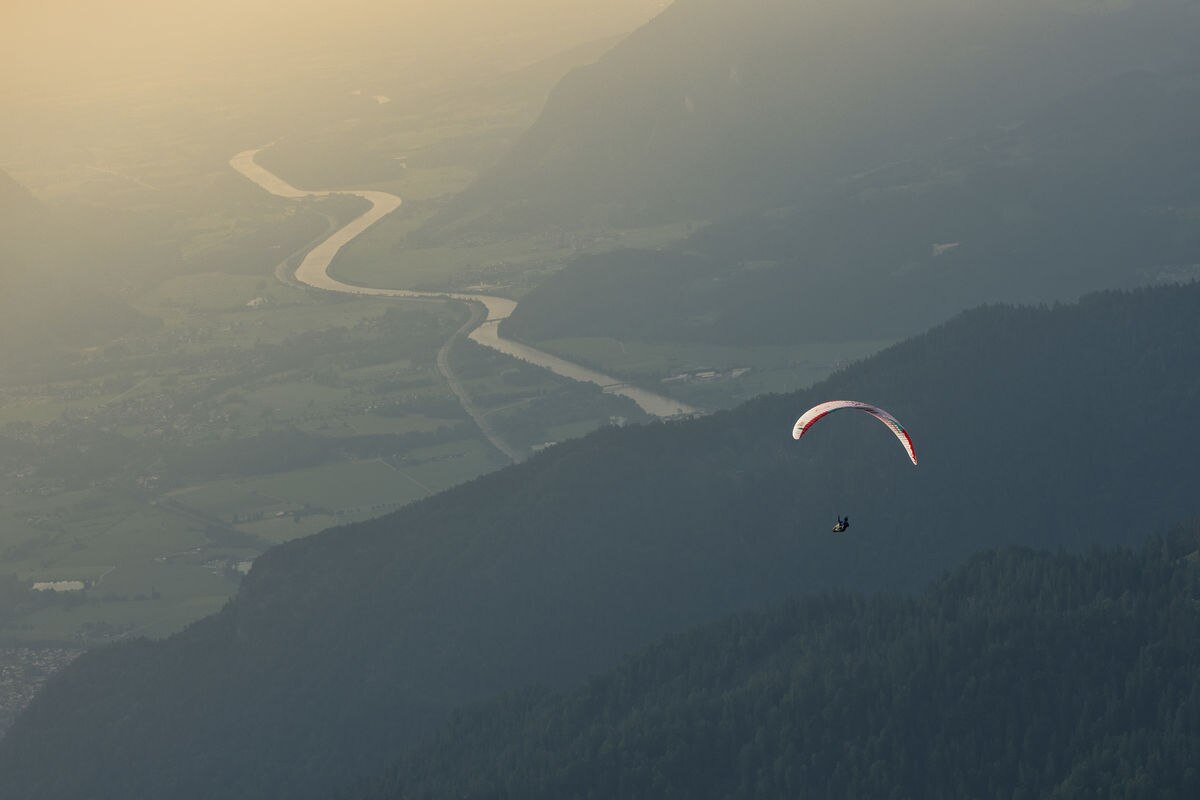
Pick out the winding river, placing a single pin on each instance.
(314, 271)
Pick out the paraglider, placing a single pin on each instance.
(810, 417)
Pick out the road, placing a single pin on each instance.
(443, 366)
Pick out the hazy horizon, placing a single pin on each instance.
(77, 73)
(76, 41)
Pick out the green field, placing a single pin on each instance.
(329, 491)
(340, 487)
(508, 267)
(374, 424)
(225, 499)
(150, 518)
(713, 376)
(447, 465)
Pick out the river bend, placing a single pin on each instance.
(314, 271)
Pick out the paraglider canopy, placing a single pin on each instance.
(810, 417)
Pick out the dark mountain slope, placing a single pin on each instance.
(1096, 190)
(1020, 675)
(1057, 427)
(718, 106)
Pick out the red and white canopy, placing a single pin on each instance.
(809, 418)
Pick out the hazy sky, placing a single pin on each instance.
(87, 82)
(50, 43)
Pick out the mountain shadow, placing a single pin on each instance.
(1019, 675)
(1060, 427)
(716, 108)
(1096, 190)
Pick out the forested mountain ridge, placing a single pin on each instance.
(1056, 427)
(1019, 675)
(869, 168)
(716, 107)
(1094, 190)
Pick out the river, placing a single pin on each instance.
(314, 271)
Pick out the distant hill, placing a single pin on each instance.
(1020, 675)
(19, 212)
(718, 107)
(1058, 427)
(15, 200)
(872, 168)
(55, 292)
(1097, 190)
